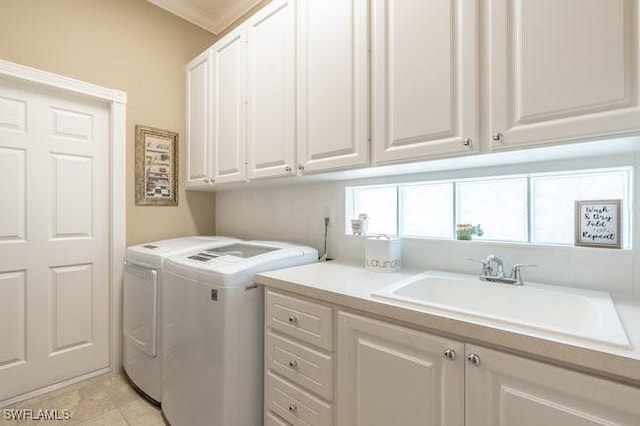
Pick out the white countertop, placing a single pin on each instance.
(350, 286)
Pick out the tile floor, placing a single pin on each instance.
(106, 400)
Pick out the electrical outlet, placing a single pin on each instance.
(327, 212)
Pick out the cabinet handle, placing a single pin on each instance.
(473, 359)
(293, 319)
(206, 180)
(293, 363)
(467, 142)
(450, 354)
(287, 169)
(293, 407)
(301, 167)
(498, 138)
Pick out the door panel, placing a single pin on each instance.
(229, 107)
(271, 92)
(71, 313)
(377, 359)
(563, 70)
(506, 390)
(12, 213)
(54, 238)
(198, 119)
(12, 306)
(333, 84)
(425, 78)
(13, 114)
(71, 207)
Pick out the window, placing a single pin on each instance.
(380, 203)
(499, 205)
(535, 208)
(426, 210)
(552, 199)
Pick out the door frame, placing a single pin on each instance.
(116, 102)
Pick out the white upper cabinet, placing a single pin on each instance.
(228, 127)
(424, 78)
(333, 84)
(320, 85)
(271, 106)
(198, 174)
(562, 70)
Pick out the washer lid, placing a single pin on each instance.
(152, 254)
(237, 251)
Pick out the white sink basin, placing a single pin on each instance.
(583, 314)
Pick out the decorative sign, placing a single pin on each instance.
(598, 223)
(156, 167)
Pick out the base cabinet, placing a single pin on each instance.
(299, 362)
(386, 374)
(507, 390)
(391, 375)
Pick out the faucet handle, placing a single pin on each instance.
(516, 273)
(486, 266)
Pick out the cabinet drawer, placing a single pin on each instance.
(273, 420)
(308, 368)
(310, 322)
(294, 405)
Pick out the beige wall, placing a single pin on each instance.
(129, 45)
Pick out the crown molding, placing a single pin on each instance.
(204, 19)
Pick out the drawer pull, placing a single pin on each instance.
(293, 319)
(293, 363)
(293, 408)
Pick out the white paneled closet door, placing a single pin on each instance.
(54, 291)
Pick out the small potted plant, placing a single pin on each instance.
(466, 230)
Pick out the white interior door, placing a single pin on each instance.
(54, 245)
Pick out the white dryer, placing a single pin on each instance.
(213, 331)
(141, 316)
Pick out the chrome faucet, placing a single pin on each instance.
(495, 266)
(493, 271)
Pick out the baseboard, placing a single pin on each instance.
(51, 388)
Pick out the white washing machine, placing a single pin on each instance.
(141, 316)
(213, 331)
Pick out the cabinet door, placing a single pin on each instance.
(391, 375)
(562, 70)
(333, 84)
(271, 91)
(198, 120)
(424, 78)
(229, 107)
(508, 390)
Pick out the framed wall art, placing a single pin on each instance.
(598, 223)
(156, 167)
